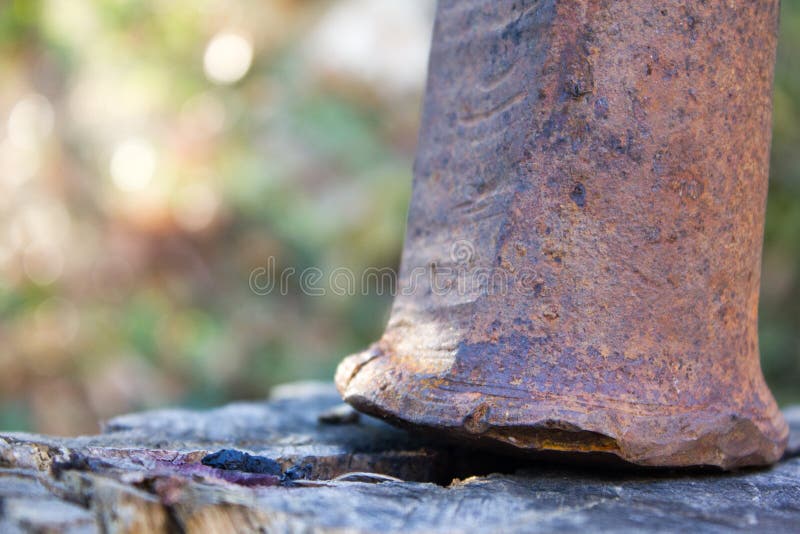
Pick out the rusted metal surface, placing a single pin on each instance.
(582, 260)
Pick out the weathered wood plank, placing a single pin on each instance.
(144, 473)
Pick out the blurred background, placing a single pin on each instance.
(153, 154)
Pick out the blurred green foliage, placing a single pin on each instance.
(779, 312)
(126, 285)
(150, 165)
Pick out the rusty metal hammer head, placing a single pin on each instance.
(582, 260)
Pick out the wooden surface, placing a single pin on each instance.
(342, 472)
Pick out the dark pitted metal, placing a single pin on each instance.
(582, 260)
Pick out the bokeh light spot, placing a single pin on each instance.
(196, 207)
(30, 121)
(384, 44)
(133, 165)
(19, 164)
(227, 58)
(43, 263)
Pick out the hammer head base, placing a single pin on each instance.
(583, 254)
(727, 436)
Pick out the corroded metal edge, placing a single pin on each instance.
(726, 436)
